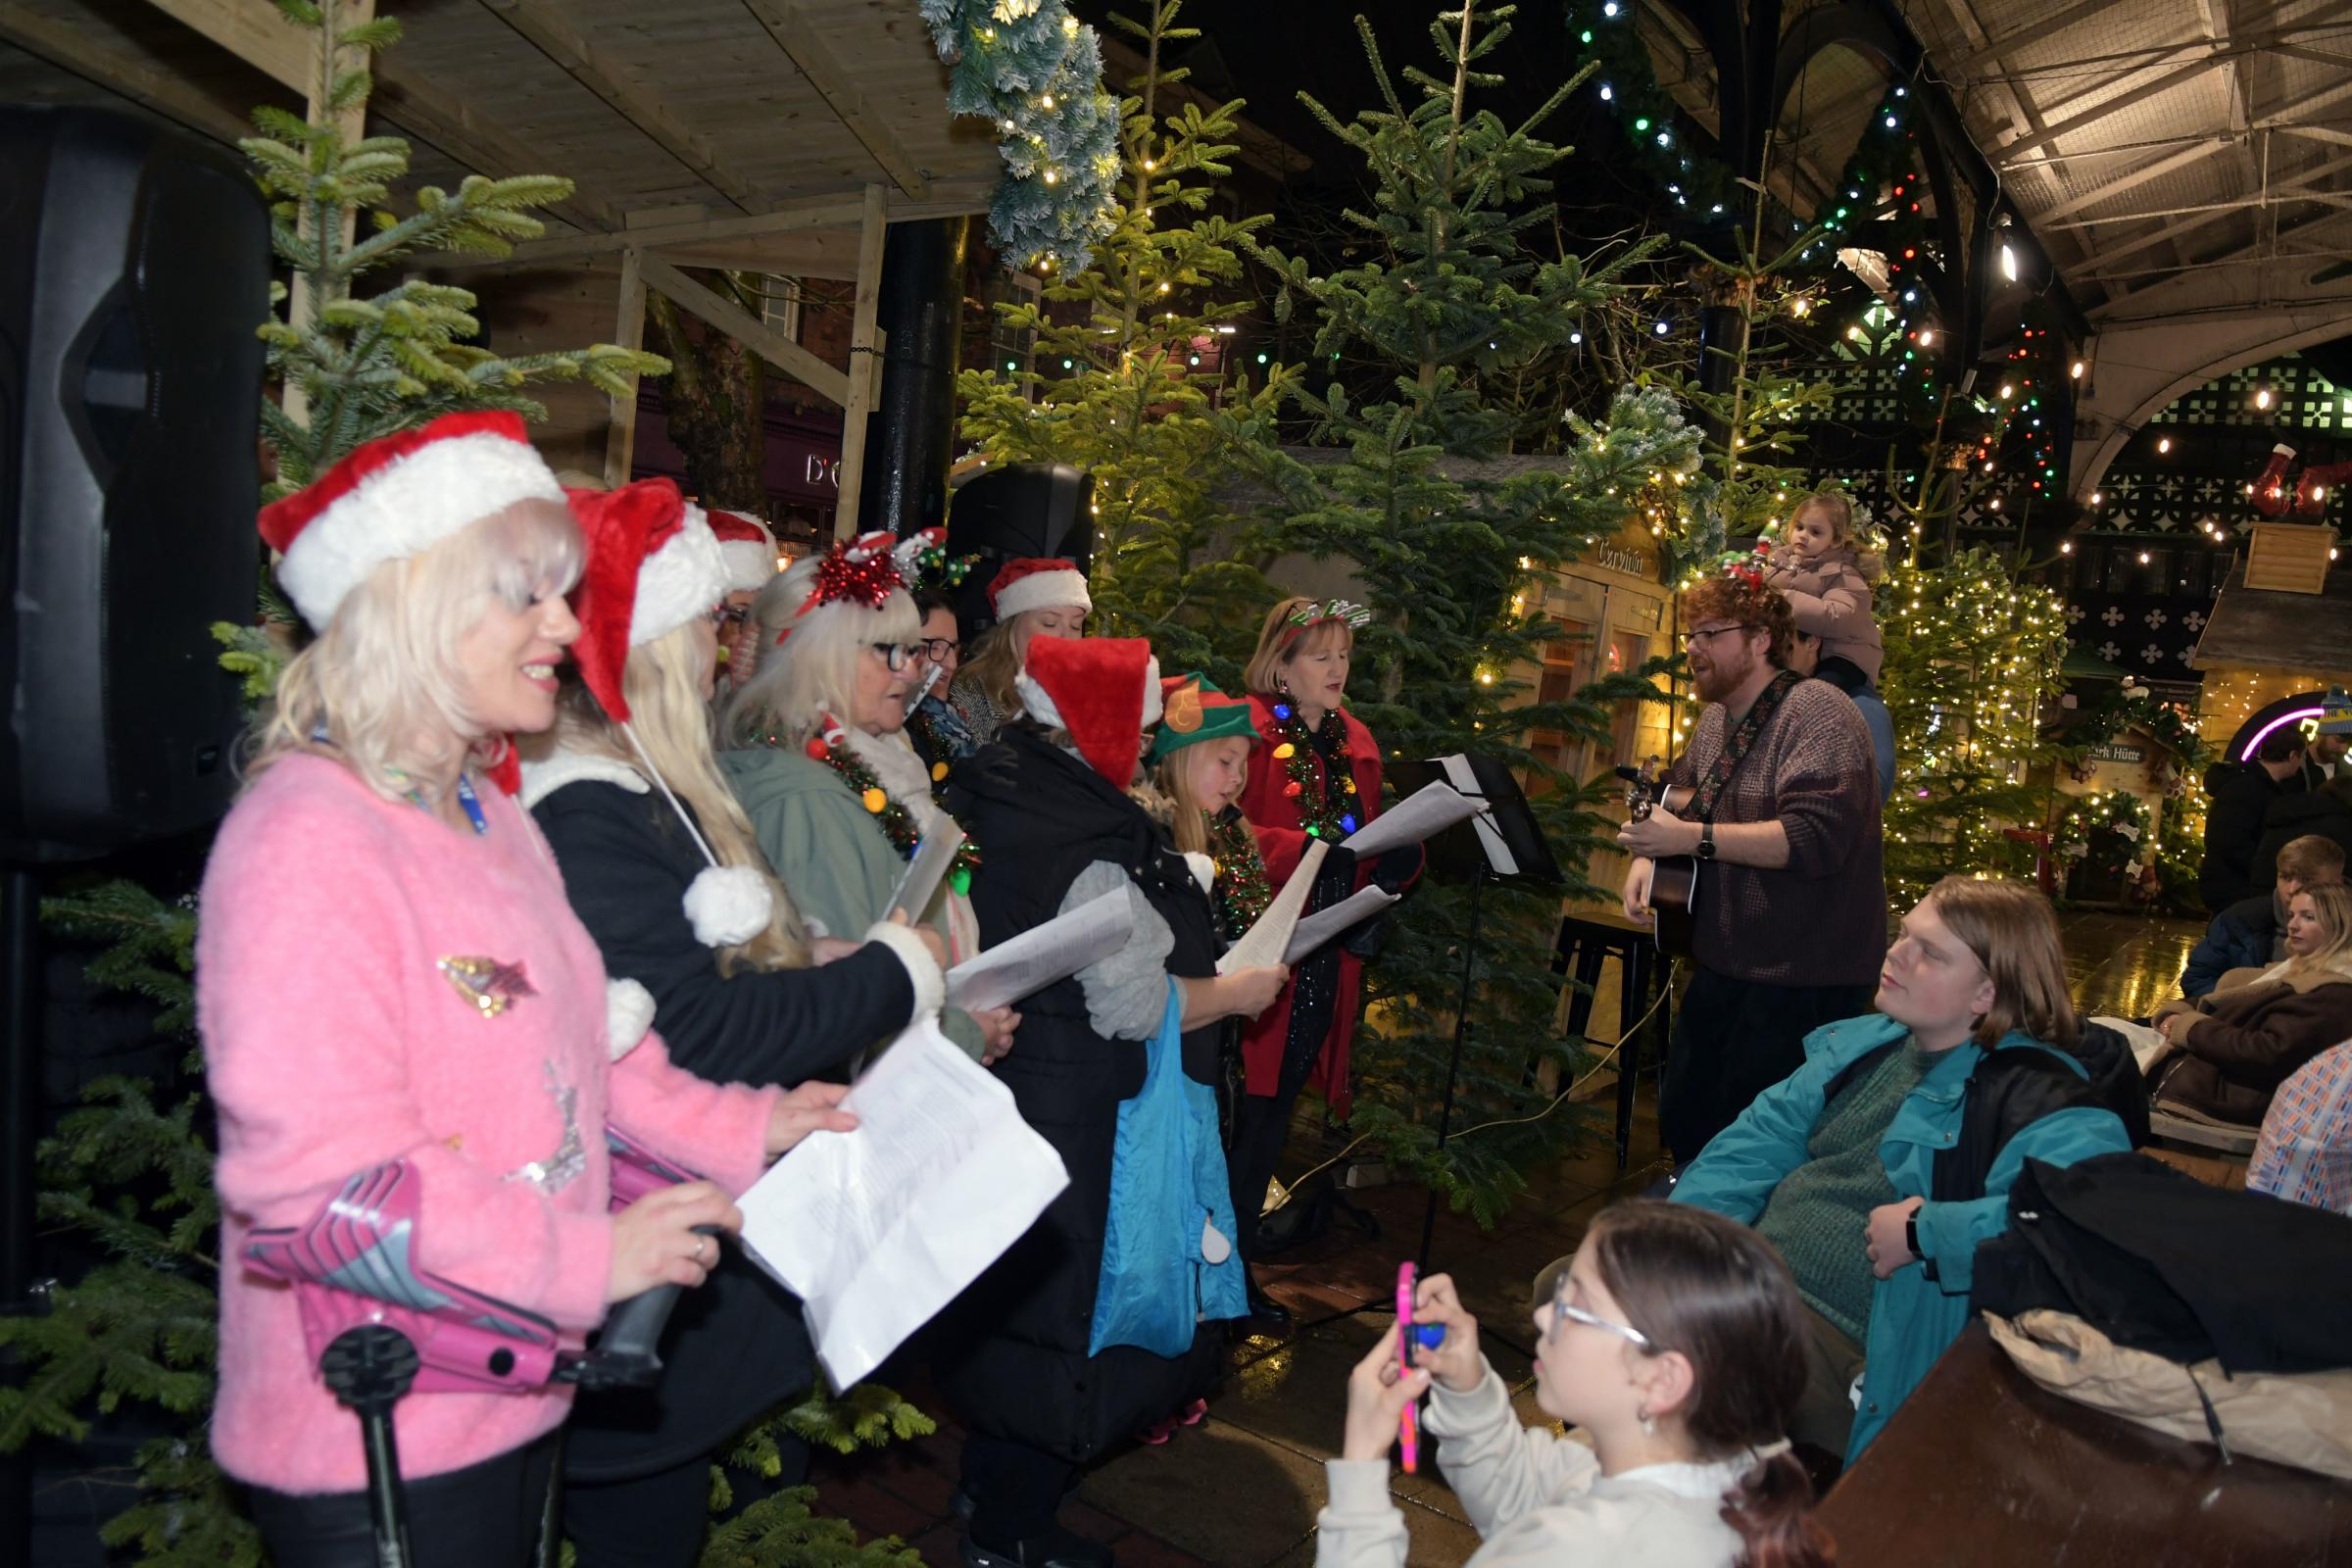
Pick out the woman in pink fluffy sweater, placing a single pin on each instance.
(388, 970)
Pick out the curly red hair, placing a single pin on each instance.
(1739, 597)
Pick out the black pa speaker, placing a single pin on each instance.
(1024, 509)
(135, 269)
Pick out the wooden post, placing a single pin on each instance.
(628, 332)
(862, 361)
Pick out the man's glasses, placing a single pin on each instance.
(1704, 633)
(937, 649)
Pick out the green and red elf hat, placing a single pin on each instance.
(1195, 708)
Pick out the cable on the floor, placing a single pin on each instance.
(1599, 1067)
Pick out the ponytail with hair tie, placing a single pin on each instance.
(1772, 1509)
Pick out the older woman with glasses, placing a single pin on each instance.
(820, 761)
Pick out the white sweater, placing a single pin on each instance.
(1534, 1498)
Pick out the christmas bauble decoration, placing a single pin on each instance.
(875, 799)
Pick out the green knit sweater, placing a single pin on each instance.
(1816, 1215)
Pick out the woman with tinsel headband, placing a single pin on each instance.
(661, 865)
(820, 761)
(1318, 776)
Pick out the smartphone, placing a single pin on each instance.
(1408, 1279)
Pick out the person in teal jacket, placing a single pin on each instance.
(1875, 1168)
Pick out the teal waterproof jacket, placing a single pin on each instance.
(1913, 1316)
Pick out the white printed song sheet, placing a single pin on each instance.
(1328, 925)
(1429, 810)
(1026, 964)
(933, 858)
(1269, 936)
(876, 1230)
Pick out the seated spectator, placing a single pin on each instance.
(2242, 795)
(2305, 1152)
(1674, 1340)
(2251, 934)
(2326, 811)
(2238, 1043)
(1835, 1163)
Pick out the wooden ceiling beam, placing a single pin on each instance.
(844, 211)
(599, 70)
(746, 329)
(790, 26)
(74, 49)
(262, 37)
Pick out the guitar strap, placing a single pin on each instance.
(1736, 745)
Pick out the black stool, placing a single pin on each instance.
(1585, 943)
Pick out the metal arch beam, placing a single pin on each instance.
(2106, 255)
(2036, 32)
(2131, 182)
(2122, 101)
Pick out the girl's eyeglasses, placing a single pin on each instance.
(1563, 1309)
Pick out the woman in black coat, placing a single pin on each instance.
(659, 888)
(1056, 832)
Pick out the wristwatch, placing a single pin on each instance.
(1707, 841)
(1911, 1233)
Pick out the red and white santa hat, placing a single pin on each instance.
(1102, 690)
(653, 565)
(396, 497)
(1037, 582)
(749, 550)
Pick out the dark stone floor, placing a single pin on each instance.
(1240, 1490)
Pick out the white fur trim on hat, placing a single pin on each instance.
(930, 986)
(1044, 590)
(751, 563)
(544, 777)
(1034, 702)
(404, 508)
(628, 1014)
(1152, 705)
(728, 904)
(679, 582)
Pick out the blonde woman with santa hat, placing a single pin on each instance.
(661, 867)
(1037, 596)
(1042, 1385)
(388, 979)
(820, 761)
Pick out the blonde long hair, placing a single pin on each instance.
(2331, 902)
(996, 659)
(381, 683)
(662, 687)
(2011, 930)
(1188, 823)
(815, 670)
(1279, 642)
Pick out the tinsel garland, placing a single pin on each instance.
(1037, 71)
(1242, 885)
(898, 824)
(1293, 749)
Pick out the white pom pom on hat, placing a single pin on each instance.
(728, 904)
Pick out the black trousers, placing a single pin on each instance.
(659, 1520)
(1733, 1039)
(1016, 1489)
(483, 1516)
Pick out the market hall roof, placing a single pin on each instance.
(2252, 629)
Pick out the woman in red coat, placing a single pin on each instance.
(1316, 775)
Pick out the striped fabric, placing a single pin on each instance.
(2305, 1152)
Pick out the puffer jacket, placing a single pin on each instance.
(1830, 599)
(1918, 1310)
(2244, 936)
(2249, 1038)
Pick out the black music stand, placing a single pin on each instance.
(1503, 845)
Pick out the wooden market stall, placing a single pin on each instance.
(778, 137)
(2266, 648)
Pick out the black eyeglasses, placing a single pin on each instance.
(937, 649)
(1702, 634)
(896, 655)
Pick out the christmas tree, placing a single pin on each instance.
(1131, 380)
(1450, 534)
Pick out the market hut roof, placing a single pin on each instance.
(2253, 628)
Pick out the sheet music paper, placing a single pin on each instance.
(1269, 936)
(2148, 1048)
(876, 1230)
(933, 858)
(1326, 925)
(1042, 955)
(1429, 809)
(1499, 857)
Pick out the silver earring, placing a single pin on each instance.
(1649, 1425)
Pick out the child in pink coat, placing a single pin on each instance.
(1826, 574)
(388, 970)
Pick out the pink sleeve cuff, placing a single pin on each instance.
(718, 1130)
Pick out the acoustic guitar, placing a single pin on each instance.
(1673, 879)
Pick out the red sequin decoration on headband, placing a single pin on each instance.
(861, 572)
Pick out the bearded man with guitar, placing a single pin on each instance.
(1788, 916)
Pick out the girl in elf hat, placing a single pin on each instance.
(1036, 596)
(661, 867)
(1050, 803)
(1319, 776)
(837, 797)
(388, 972)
